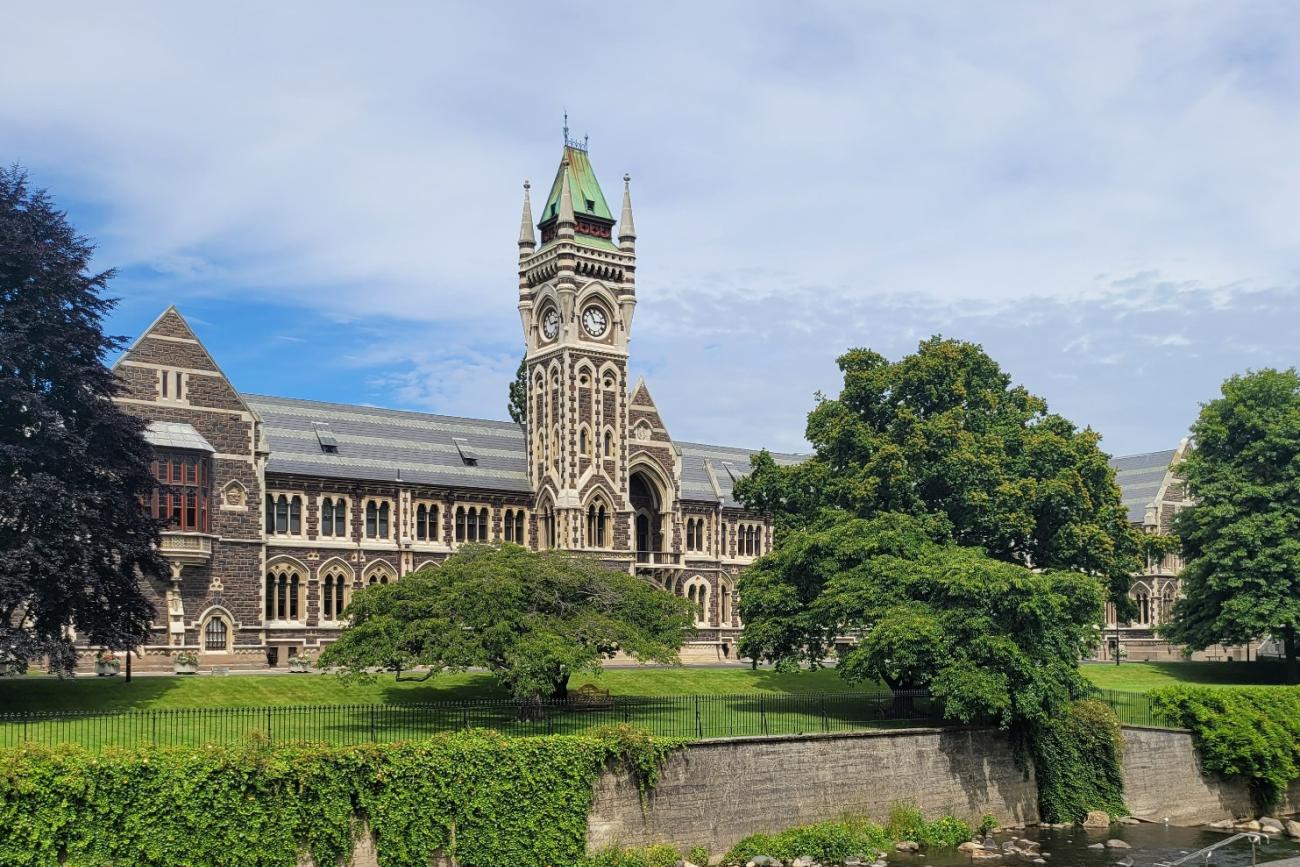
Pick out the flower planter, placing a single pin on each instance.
(106, 669)
(299, 666)
(185, 668)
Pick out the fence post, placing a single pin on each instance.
(372, 723)
(762, 714)
(268, 725)
(826, 723)
(699, 726)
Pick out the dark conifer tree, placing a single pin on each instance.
(518, 402)
(74, 542)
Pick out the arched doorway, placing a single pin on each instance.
(646, 506)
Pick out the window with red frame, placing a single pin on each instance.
(181, 497)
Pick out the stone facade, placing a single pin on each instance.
(284, 507)
(1153, 494)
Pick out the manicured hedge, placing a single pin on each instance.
(487, 799)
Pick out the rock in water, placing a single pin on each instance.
(1293, 829)
(1096, 819)
(1124, 862)
(1097, 846)
(1117, 844)
(1273, 826)
(907, 846)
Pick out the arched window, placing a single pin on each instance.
(426, 522)
(283, 600)
(584, 442)
(372, 519)
(282, 514)
(609, 444)
(471, 524)
(520, 538)
(724, 605)
(270, 514)
(380, 573)
(334, 594)
(697, 591)
(460, 523)
(327, 517)
(1144, 608)
(383, 520)
(333, 517)
(216, 634)
(295, 516)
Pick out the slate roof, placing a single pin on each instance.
(176, 435)
(709, 472)
(375, 444)
(1139, 478)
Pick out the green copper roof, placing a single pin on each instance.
(588, 200)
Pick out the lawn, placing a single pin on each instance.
(202, 690)
(1142, 676)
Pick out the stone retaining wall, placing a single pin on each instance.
(715, 793)
(1163, 779)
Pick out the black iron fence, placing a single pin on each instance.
(694, 717)
(1137, 709)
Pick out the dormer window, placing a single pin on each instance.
(328, 443)
(468, 456)
(591, 204)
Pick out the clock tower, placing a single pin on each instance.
(577, 293)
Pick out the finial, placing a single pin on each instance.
(584, 141)
(627, 179)
(527, 186)
(566, 126)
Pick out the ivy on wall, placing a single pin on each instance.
(483, 798)
(1078, 763)
(1246, 734)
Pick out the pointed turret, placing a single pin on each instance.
(626, 228)
(593, 223)
(566, 221)
(527, 240)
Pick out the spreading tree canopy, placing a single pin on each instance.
(1241, 540)
(517, 404)
(943, 435)
(533, 619)
(74, 542)
(992, 640)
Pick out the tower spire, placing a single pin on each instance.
(566, 220)
(527, 240)
(626, 228)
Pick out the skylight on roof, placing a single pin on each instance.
(467, 453)
(328, 443)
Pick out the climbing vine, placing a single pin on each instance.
(1078, 763)
(459, 794)
(1247, 734)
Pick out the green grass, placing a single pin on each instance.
(203, 690)
(1142, 676)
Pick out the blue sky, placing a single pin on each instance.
(1103, 195)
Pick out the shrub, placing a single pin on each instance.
(651, 856)
(260, 805)
(1247, 734)
(907, 823)
(1078, 763)
(824, 841)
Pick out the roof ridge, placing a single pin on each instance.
(505, 423)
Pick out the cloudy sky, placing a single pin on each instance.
(1105, 195)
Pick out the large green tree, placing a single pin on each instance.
(74, 542)
(944, 435)
(1241, 541)
(990, 639)
(533, 619)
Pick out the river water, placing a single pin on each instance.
(1150, 844)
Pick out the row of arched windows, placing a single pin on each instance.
(334, 517)
(694, 534)
(472, 524)
(597, 525)
(697, 591)
(377, 525)
(333, 596)
(284, 515)
(426, 523)
(749, 540)
(512, 524)
(283, 588)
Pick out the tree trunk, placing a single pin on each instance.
(1290, 668)
(560, 688)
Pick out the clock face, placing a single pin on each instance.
(594, 320)
(551, 323)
